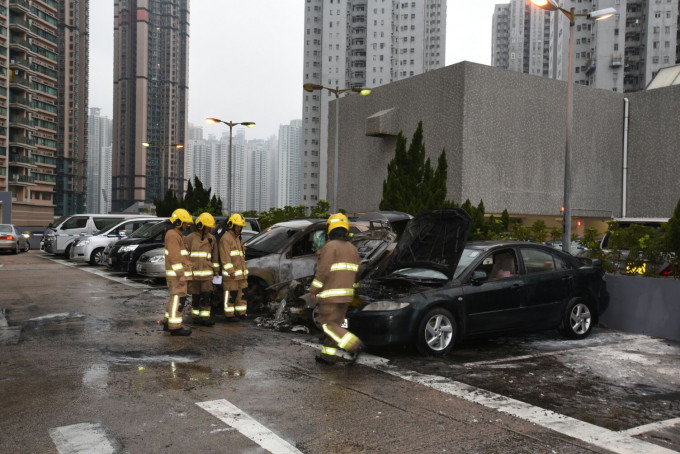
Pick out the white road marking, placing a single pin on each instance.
(618, 442)
(100, 273)
(651, 427)
(236, 418)
(82, 439)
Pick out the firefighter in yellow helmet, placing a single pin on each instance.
(234, 271)
(333, 289)
(203, 253)
(177, 272)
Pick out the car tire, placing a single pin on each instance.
(96, 256)
(28, 247)
(67, 251)
(315, 317)
(436, 332)
(16, 249)
(578, 320)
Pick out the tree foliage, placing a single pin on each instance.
(412, 185)
(275, 215)
(196, 200)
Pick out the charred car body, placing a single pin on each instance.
(435, 289)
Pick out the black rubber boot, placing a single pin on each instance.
(355, 354)
(181, 332)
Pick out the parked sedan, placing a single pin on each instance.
(152, 263)
(437, 290)
(124, 254)
(13, 240)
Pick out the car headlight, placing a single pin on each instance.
(385, 306)
(157, 259)
(83, 242)
(128, 248)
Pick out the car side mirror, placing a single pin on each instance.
(597, 263)
(479, 277)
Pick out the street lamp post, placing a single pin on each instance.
(176, 146)
(551, 5)
(337, 91)
(231, 124)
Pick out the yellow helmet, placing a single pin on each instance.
(205, 220)
(179, 216)
(337, 220)
(236, 219)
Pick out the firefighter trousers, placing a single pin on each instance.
(234, 303)
(173, 314)
(331, 317)
(201, 293)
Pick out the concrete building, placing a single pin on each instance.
(487, 121)
(521, 38)
(622, 53)
(43, 122)
(289, 151)
(72, 107)
(99, 163)
(260, 175)
(150, 91)
(356, 43)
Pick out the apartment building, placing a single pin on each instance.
(99, 163)
(289, 149)
(151, 40)
(360, 43)
(622, 53)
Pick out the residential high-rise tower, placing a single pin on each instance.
(151, 39)
(360, 43)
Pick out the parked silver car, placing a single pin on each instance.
(91, 247)
(152, 263)
(13, 240)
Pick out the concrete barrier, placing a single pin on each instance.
(643, 305)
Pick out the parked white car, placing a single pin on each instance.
(90, 248)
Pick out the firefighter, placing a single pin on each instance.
(177, 272)
(202, 247)
(234, 271)
(333, 289)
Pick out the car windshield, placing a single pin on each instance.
(148, 230)
(272, 239)
(5, 228)
(469, 255)
(59, 221)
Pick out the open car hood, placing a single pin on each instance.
(435, 238)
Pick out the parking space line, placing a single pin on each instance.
(618, 442)
(233, 416)
(652, 427)
(81, 439)
(96, 272)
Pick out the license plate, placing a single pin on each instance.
(110, 262)
(345, 324)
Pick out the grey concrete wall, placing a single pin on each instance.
(514, 142)
(643, 306)
(504, 133)
(6, 207)
(654, 152)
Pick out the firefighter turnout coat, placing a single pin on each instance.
(336, 272)
(203, 255)
(233, 260)
(177, 265)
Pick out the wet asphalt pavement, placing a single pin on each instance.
(84, 367)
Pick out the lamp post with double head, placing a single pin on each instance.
(337, 92)
(551, 5)
(231, 124)
(163, 163)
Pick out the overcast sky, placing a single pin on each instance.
(245, 57)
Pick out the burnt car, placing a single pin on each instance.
(436, 290)
(282, 258)
(125, 253)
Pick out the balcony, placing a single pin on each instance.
(616, 61)
(19, 5)
(17, 101)
(19, 24)
(19, 82)
(20, 122)
(20, 63)
(21, 180)
(21, 141)
(590, 65)
(19, 160)
(21, 44)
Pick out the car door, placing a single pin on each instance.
(300, 259)
(70, 229)
(548, 283)
(495, 304)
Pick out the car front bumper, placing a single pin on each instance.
(381, 327)
(149, 269)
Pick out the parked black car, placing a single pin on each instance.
(437, 290)
(123, 255)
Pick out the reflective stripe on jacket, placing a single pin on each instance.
(200, 253)
(177, 263)
(232, 257)
(334, 281)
